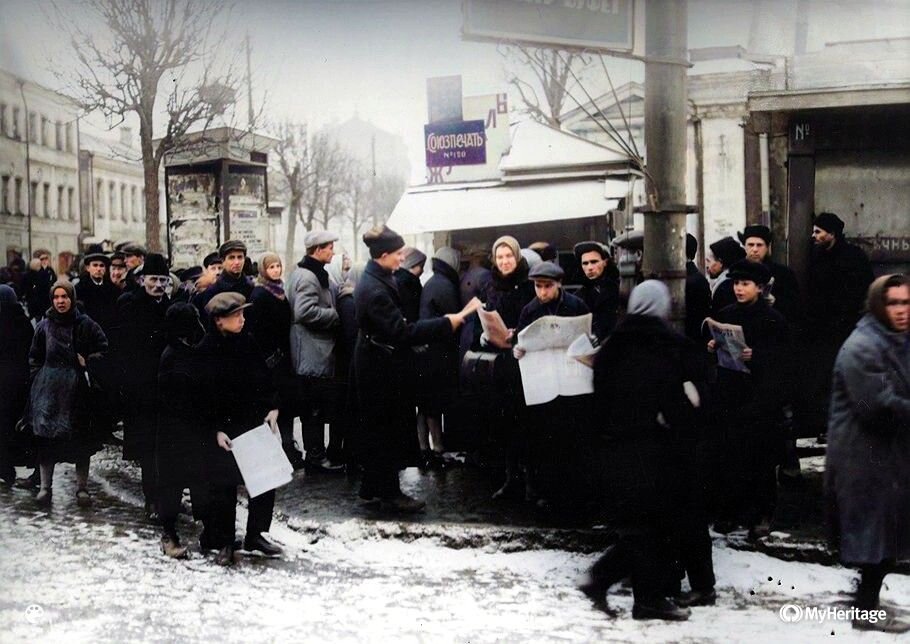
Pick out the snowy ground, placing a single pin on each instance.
(98, 575)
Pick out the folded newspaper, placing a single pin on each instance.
(494, 328)
(729, 344)
(547, 369)
(262, 463)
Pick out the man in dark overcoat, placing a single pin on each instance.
(698, 292)
(600, 290)
(142, 339)
(382, 361)
(839, 275)
(36, 285)
(724, 253)
(231, 280)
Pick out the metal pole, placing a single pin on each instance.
(665, 141)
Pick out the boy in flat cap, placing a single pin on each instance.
(600, 291)
(839, 277)
(548, 454)
(749, 403)
(314, 329)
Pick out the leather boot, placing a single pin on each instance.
(661, 608)
(170, 545)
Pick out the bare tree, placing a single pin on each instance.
(291, 171)
(358, 209)
(552, 77)
(130, 54)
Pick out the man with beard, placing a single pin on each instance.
(839, 276)
(143, 339)
(600, 291)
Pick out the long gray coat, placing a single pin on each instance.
(867, 472)
(315, 325)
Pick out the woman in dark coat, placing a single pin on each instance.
(66, 346)
(383, 370)
(643, 406)
(269, 322)
(15, 340)
(179, 438)
(508, 293)
(749, 404)
(437, 367)
(867, 468)
(238, 397)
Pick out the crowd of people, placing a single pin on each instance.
(670, 442)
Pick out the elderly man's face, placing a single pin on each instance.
(756, 249)
(156, 285)
(96, 269)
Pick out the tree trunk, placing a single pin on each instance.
(289, 258)
(150, 175)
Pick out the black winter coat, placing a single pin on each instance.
(269, 322)
(722, 297)
(601, 296)
(509, 294)
(141, 341)
(36, 288)
(226, 283)
(565, 306)
(698, 301)
(99, 301)
(638, 374)
(437, 367)
(383, 366)
(838, 281)
(344, 348)
(409, 289)
(237, 394)
(15, 340)
(785, 290)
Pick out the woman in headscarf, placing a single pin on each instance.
(508, 293)
(64, 350)
(867, 468)
(269, 322)
(645, 379)
(15, 339)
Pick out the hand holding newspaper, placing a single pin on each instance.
(547, 369)
(494, 329)
(730, 343)
(261, 461)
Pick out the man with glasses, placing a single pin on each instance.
(600, 291)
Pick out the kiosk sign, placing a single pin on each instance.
(460, 143)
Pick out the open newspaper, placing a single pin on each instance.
(262, 463)
(547, 370)
(730, 342)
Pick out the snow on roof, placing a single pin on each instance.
(537, 147)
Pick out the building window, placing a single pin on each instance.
(32, 128)
(47, 200)
(15, 122)
(99, 202)
(71, 202)
(4, 194)
(58, 131)
(61, 213)
(33, 198)
(112, 200)
(69, 137)
(124, 215)
(18, 203)
(3, 129)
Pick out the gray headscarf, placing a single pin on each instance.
(651, 297)
(450, 256)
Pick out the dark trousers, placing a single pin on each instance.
(639, 555)
(149, 467)
(317, 402)
(870, 584)
(379, 480)
(222, 515)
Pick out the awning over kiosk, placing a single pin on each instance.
(428, 209)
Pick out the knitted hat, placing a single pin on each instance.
(727, 251)
(830, 222)
(381, 240)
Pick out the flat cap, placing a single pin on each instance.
(134, 249)
(212, 258)
(231, 245)
(225, 303)
(750, 271)
(193, 273)
(118, 259)
(590, 247)
(318, 238)
(412, 258)
(547, 271)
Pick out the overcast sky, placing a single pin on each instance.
(324, 61)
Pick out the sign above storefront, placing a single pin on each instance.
(459, 143)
